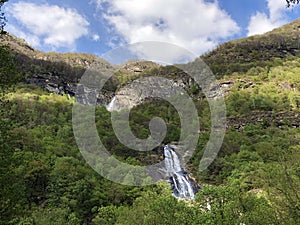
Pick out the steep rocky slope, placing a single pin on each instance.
(260, 50)
(59, 73)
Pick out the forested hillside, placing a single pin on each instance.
(260, 50)
(254, 180)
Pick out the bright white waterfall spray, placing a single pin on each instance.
(180, 181)
(110, 107)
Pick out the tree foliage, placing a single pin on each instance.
(8, 73)
(44, 180)
(254, 180)
(292, 2)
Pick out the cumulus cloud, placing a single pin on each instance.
(262, 22)
(96, 37)
(196, 25)
(49, 25)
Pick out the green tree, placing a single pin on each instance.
(292, 2)
(36, 179)
(228, 205)
(157, 207)
(8, 73)
(12, 187)
(282, 181)
(106, 215)
(55, 215)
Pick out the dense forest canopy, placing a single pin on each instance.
(44, 178)
(254, 180)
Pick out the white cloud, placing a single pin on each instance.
(49, 25)
(96, 37)
(261, 22)
(195, 24)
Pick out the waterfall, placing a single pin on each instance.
(111, 106)
(181, 184)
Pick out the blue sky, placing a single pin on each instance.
(96, 26)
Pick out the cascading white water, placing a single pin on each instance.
(182, 185)
(110, 107)
(180, 181)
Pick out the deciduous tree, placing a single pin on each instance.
(292, 2)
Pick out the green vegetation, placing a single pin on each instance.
(292, 2)
(254, 180)
(272, 89)
(8, 74)
(260, 50)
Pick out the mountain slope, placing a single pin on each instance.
(254, 179)
(260, 50)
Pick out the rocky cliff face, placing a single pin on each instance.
(136, 66)
(24, 51)
(58, 73)
(265, 119)
(142, 89)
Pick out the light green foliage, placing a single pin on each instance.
(275, 89)
(106, 215)
(43, 176)
(49, 182)
(255, 51)
(156, 207)
(254, 179)
(227, 205)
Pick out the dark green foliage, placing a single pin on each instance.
(227, 205)
(44, 179)
(254, 180)
(8, 73)
(49, 181)
(264, 161)
(42, 171)
(140, 117)
(292, 2)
